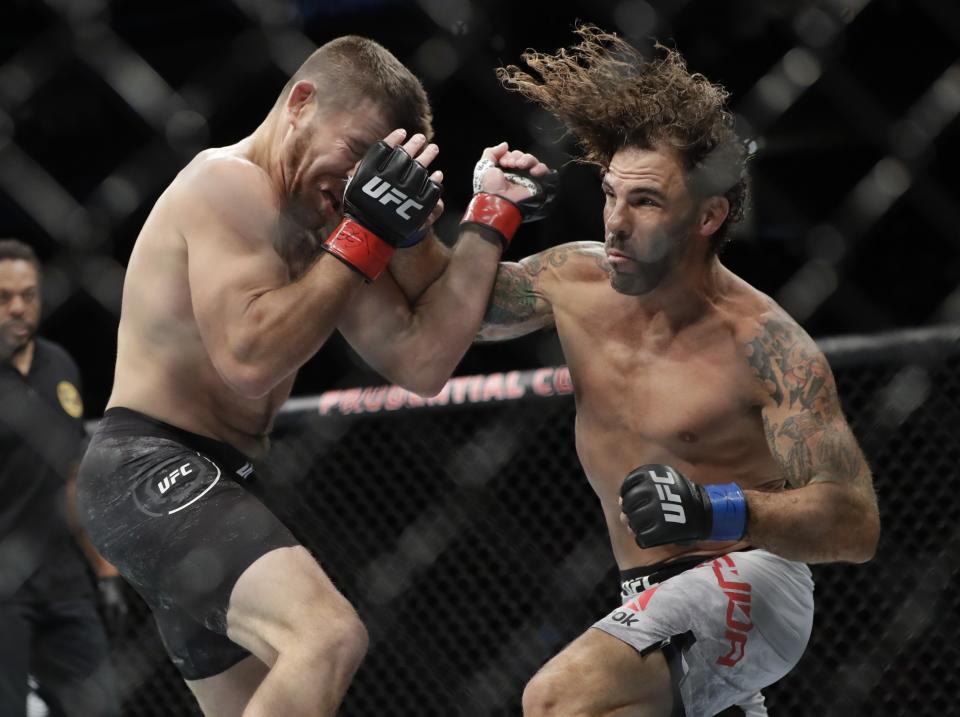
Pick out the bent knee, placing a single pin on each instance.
(347, 639)
(550, 693)
(331, 632)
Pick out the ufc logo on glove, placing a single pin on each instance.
(670, 502)
(381, 189)
(663, 506)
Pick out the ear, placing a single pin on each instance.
(300, 100)
(713, 212)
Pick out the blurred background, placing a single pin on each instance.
(853, 228)
(853, 104)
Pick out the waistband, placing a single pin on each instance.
(635, 580)
(120, 422)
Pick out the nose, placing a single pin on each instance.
(616, 224)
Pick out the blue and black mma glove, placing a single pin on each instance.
(386, 201)
(663, 506)
(502, 215)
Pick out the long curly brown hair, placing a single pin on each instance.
(609, 96)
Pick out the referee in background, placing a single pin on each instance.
(49, 624)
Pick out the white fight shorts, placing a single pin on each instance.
(729, 626)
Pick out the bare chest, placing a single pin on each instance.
(689, 401)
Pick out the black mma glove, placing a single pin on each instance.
(388, 199)
(501, 214)
(664, 506)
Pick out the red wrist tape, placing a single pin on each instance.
(359, 248)
(490, 210)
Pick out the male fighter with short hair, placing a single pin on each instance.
(227, 294)
(699, 401)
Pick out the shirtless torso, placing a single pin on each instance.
(163, 367)
(647, 393)
(225, 234)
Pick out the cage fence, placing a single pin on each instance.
(468, 539)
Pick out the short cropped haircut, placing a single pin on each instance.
(351, 68)
(14, 249)
(611, 97)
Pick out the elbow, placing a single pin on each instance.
(424, 386)
(429, 390)
(249, 381)
(423, 380)
(864, 548)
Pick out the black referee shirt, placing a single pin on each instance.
(41, 439)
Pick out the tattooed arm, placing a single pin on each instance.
(831, 514)
(520, 302)
(516, 306)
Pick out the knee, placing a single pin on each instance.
(549, 693)
(350, 640)
(341, 638)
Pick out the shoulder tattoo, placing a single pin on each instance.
(796, 376)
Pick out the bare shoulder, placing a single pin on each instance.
(788, 367)
(219, 186)
(575, 261)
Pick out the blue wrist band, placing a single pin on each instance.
(729, 506)
(415, 238)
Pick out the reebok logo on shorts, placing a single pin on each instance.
(175, 484)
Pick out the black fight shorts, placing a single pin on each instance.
(168, 509)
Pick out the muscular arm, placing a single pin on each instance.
(418, 345)
(831, 513)
(517, 305)
(256, 325)
(415, 269)
(414, 324)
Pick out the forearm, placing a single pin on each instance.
(446, 318)
(280, 329)
(417, 268)
(820, 522)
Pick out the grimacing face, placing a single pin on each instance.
(322, 150)
(648, 218)
(19, 305)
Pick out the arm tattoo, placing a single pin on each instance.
(513, 300)
(812, 440)
(516, 305)
(551, 258)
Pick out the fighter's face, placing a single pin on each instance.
(323, 149)
(19, 305)
(648, 218)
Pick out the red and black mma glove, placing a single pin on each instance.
(664, 506)
(502, 215)
(386, 201)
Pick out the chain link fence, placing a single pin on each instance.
(466, 534)
(471, 544)
(852, 104)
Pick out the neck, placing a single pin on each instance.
(23, 359)
(686, 294)
(263, 149)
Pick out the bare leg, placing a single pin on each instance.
(285, 610)
(597, 675)
(227, 694)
